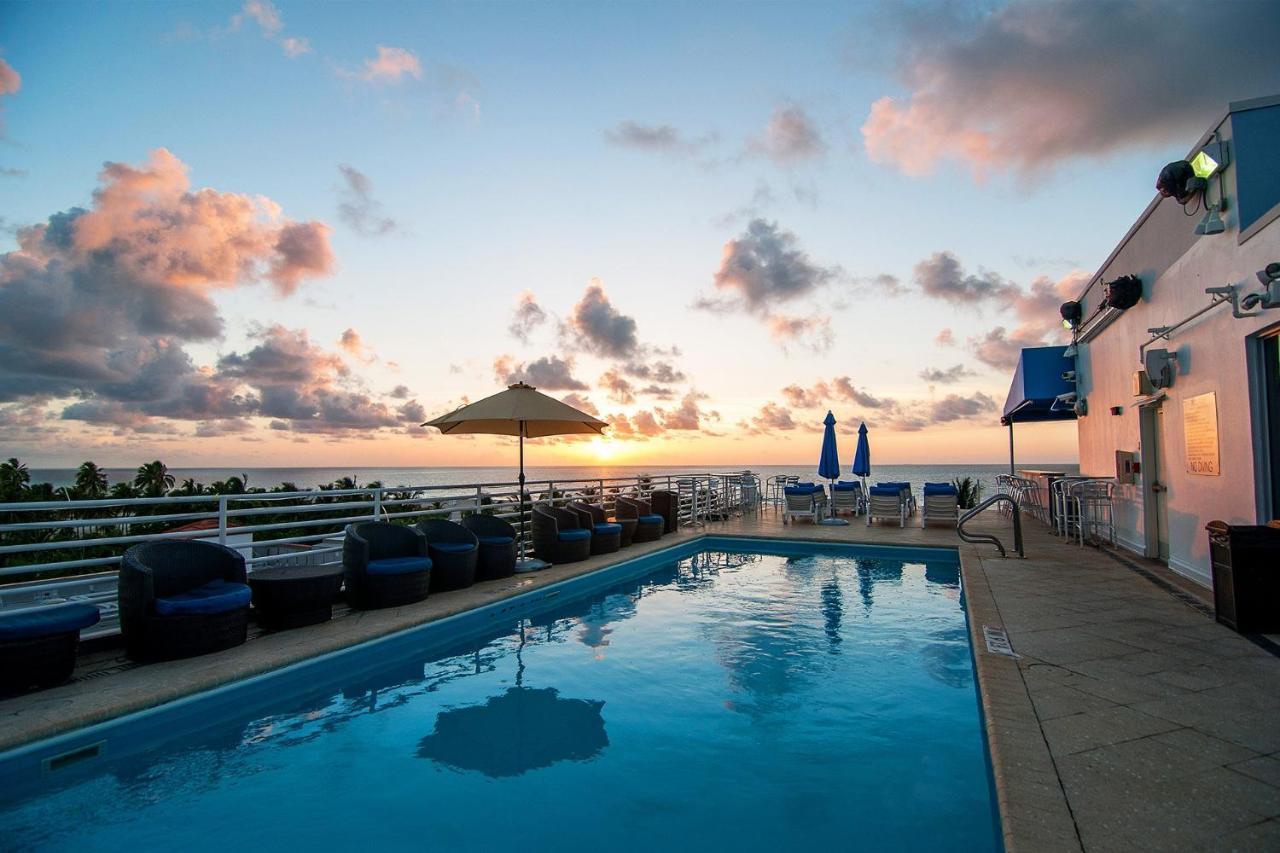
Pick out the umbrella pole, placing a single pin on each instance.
(831, 519)
(525, 564)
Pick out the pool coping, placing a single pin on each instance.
(1034, 811)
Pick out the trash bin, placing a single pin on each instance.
(1245, 561)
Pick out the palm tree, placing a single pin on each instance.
(153, 479)
(124, 489)
(14, 479)
(233, 485)
(346, 483)
(190, 488)
(91, 481)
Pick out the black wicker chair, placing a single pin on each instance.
(454, 551)
(38, 647)
(667, 505)
(649, 527)
(182, 598)
(385, 565)
(606, 537)
(558, 535)
(497, 546)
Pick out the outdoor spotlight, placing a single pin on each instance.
(1122, 293)
(1211, 223)
(1071, 313)
(1270, 274)
(1179, 181)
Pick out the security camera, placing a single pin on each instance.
(1067, 399)
(1081, 408)
(1068, 376)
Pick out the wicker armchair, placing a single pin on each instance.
(558, 535)
(454, 551)
(497, 546)
(649, 526)
(606, 537)
(182, 598)
(385, 565)
(667, 505)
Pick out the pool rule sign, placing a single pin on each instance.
(1200, 426)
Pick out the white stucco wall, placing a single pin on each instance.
(1212, 356)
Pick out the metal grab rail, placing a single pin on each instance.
(990, 538)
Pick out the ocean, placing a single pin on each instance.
(309, 478)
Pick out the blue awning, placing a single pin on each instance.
(1036, 386)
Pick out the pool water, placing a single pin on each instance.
(813, 697)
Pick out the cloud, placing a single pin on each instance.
(94, 298)
(390, 65)
(354, 345)
(10, 79)
(945, 376)
(941, 277)
(550, 373)
(954, 407)
(400, 392)
(844, 389)
(658, 371)
(271, 23)
(812, 333)
(790, 137)
(945, 338)
(655, 137)
(358, 208)
(688, 416)
(764, 266)
(1028, 85)
(581, 403)
(1040, 321)
(617, 387)
(644, 423)
(771, 418)
(597, 327)
(528, 316)
(824, 393)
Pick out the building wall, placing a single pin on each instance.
(1212, 356)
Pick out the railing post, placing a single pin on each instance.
(222, 519)
(377, 503)
(479, 498)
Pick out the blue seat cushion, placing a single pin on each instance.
(453, 547)
(214, 597)
(608, 528)
(931, 489)
(496, 540)
(885, 491)
(652, 519)
(47, 622)
(398, 566)
(574, 534)
(803, 491)
(845, 487)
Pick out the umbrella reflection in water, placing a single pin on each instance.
(520, 730)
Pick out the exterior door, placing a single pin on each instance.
(1155, 506)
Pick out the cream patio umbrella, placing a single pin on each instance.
(522, 411)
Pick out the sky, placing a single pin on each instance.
(287, 233)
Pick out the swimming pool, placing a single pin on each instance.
(722, 694)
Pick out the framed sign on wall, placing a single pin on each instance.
(1200, 427)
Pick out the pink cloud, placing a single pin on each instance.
(391, 65)
(10, 79)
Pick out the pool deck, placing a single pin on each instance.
(1129, 719)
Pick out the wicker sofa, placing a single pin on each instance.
(182, 598)
(497, 558)
(606, 536)
(650, 526)
(385, 565)
(559, 535)
(454, 551)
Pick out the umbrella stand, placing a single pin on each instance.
(525, 564)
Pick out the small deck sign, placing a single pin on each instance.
(1200, 427)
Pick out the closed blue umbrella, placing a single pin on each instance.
(862, 457)
(829, 463)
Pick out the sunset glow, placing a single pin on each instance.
(290, 233)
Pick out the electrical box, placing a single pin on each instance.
(1142, 384)
(1127, 467)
